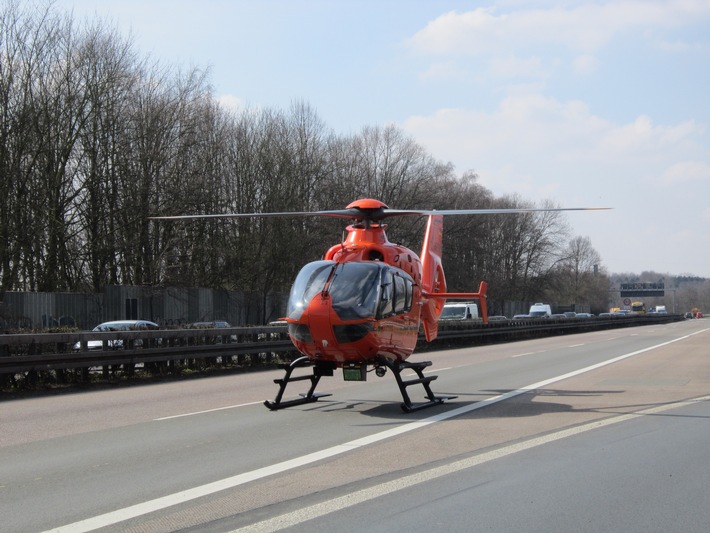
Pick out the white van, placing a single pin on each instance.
(540, 310)
(459, 311)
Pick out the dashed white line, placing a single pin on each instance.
(205, 411)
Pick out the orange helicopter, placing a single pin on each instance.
(362, 304)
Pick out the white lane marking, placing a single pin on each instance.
(300, 516)
(575, 345)
(522, 354)
(205, 411)
(414, 375)
(114, 517)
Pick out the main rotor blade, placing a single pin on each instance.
(502, 211)
(376, 215)
(339, 213)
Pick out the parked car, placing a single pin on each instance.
(212, 324)
(118, 325)
(584, 315)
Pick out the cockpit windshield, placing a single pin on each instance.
(358, 289)
(354, 288)
(310, 281)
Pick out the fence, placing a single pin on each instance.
(164, 305)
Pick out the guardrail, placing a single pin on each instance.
(159, 350)
(459, 332)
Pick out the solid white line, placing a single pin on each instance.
(382, 489)
(158, 504)
(575, 345)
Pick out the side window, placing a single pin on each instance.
(387, 299)
(400, 295)
(409, 289)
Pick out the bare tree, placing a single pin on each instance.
(578, 278)
(95, 139)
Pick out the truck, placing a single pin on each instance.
(459, 311)
(540, 310)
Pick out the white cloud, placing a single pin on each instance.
(483, 31)
(585, 64)
(515, 40)
(514, 67)
(545, 147)
(443, 71)
(686, 172)
(585, 27)
(643, 138)
(231, 102)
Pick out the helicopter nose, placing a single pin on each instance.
(319, 315)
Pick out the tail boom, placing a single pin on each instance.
(433, 281)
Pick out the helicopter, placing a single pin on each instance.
(360, 307)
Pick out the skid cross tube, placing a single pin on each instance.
(308, 397)
(407, 405)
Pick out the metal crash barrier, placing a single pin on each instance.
(175, 350)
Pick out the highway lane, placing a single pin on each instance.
(120, 451)
(640, 474)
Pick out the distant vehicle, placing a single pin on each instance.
(520, 317)
(497, 318)
(540, 310)
(570, 314)
(459, 311)
(604, 315)
(623, 312)
(638, 307)
(118, 325)
(698, 315)
(212, 324)
(558, 316)
(585, 315)
(660, 309)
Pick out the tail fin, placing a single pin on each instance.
(434, 281)
(432, 272)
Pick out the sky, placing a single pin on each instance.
(584, 103)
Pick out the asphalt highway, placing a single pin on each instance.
(591, 432)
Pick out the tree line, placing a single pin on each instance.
(95, 139)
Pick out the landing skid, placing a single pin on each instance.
(397, 368)
(308, 397)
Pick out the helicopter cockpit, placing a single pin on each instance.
(358, 289)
